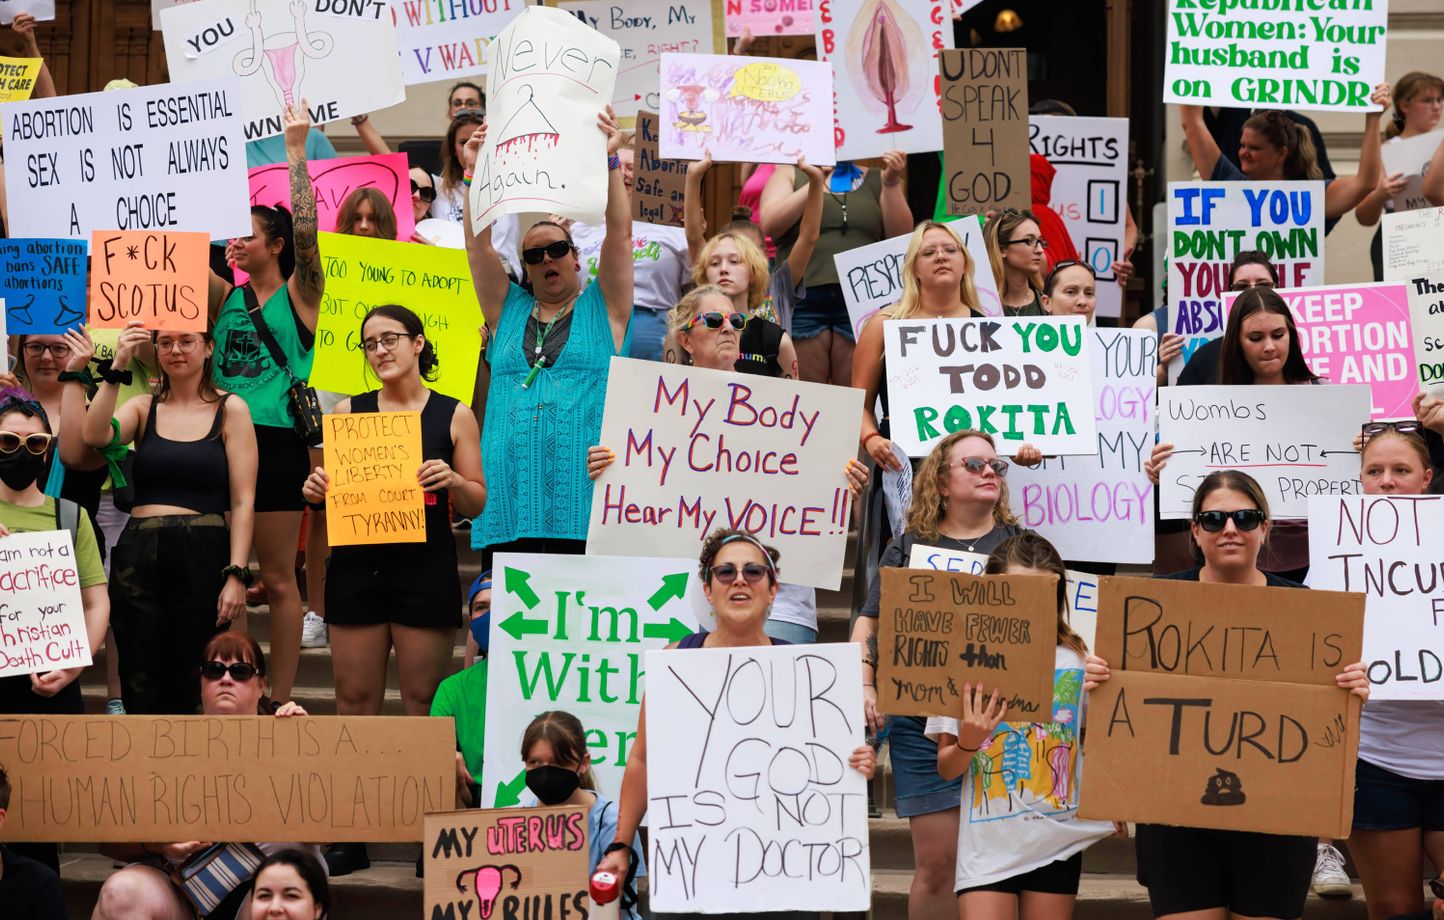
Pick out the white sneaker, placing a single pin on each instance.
(313, 631)
(1330, 879)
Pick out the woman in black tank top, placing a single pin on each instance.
(180, 570)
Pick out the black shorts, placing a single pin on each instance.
(1386, 801)
(1058, 877)
(1259, 875)
(409, 585)
(282, 467)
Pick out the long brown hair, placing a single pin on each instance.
(451, 168)
(381, 212)
(563, 732)
(1410, 85)
(926, 510)
(1029, 550)
(1233, 366)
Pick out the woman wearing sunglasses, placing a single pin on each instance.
(232, 682)
(1016, 254)
(423, 193)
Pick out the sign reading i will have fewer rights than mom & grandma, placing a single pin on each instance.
(1024, 381)
(43, 284)
(1222, 710)
(985, 129)
(699, 449)
(42, 619)
(569, 632)
(1306, 57)
(531, 862)
(1297, 441)
(372, 459)
(159, 279)
(787, 831)
(441, 40)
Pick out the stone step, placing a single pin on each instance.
(316, 699)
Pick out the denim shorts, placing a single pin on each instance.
(821, 307)
(920, 790)
(1386, 801)
(649, 329)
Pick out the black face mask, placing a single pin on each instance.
(551, 784)
(21, 469)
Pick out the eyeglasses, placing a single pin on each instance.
(1032, 242)
(1244, 519)
(240, 671)
(932, 251)
(56, 349)
(978, 464)
(715, 320)
(386, 340)
(1406, 426)
(1245, 285)
(425, 192)
(37, 443)
(184, 345)
(726, 572)
(533, 255)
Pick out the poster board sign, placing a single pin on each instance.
(543, 151)
(884, 64)
(42, 10)
(43, 285)
(42, 618)
(431, 281)
(781, 701)
(1020, 380)
(158, 779)
(1271, 55)
(165, 157)
(449, 41)
(769, 17)
(658, 185)
(1426, 316)
(374, 497)
(1411, 156)
(335, 179)
(158, 278)
(871, 275)
(985, 129)
(1413, 244)
(1211, 222)
(17, 78)
(1099, 508)
(1090, 190)
(746, 109)
(1387, 548)
(286, 53)
(698, 449)
(1296, 441)
(569, 632)
(532, 860)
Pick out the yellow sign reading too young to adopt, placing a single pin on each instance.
(17, 78)
(374, 495)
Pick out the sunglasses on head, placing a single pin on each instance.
(240, 671)
(1244, 519)
(1405, 426)
(1066, 263)
(533, 255)
(978, 464)
(726, 572)
(714, 320)
(425, 192)
(36, 443)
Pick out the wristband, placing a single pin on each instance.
(970, 750)
(111, 375)
(867, 438)
(80, 376)
(466, 178)
(243, 574)
(316, 506)
(613, 161)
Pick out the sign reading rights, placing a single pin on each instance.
(528, 863)
(42, 618)
(985, 129)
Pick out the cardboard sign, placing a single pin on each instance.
(1411, 156)
(769, 17)
(1296, 441)
(43, 285)
(285, 52)
(1413, 244)
(1090, 190)
(1211, 222)
(569, 632)
(871, 275)
(985, 129)
(1099, 508)
(17, 77)
(159, 6)
(699, 449)
(884, 64)
(449, 41)
(1021, 380)
(158, 779)
(433, 282)
(374, 495)
(333, 180)
(658, 185)
(791, 714)
(166, 157)
(1305, 57)
(543, 151)
(1387, 547)
(746, 109)
(157, 278)
(42, 10)
(532, 861)
(1426, 316)
(42, 619)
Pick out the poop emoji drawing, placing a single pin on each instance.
(282, 55)
(487, 883)
(1224, 788)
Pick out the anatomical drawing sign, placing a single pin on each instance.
(504, 862)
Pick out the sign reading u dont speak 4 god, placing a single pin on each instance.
(506, 863)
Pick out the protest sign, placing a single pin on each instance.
(658, 185)
(449, 41)
(884, 66)
(769, 17)
(1031, 382)
(42, 10)
(871, 275)
(939, 630)
(288, 53)
(1413, 244)
(1387, 547)
(232, 778)
(746, 109)
(543, 151)
(374, 496)
(753, 453)
(569, 632)
(335, 179)
(43, 285)
(793, 714)
(1099, 508)
(1296, 441)
(432, 282)
(157, 6)
(1306, 57)
(1089, 190)
(985, 129)
(1426, 316)
(1410, 156)
(166, 157)
(531, 863)
(17, 78)
(42, 619)
(160, 279)
(1211, 222)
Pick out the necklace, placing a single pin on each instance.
(539, 359)
(842, 203)
(970, 543)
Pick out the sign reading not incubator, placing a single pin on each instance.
(372, 459)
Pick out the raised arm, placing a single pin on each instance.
(308, 281)
(897, 217)
(781, 204)
(694, 222)
(810, 226)
(1201, 145)
(371, 139)
(1346, 192)
(488, 272)
(24, 25)
(75, 450)
(615, 266)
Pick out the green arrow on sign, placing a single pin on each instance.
(510, 793)
(673, 631)
(517, 625)
(672, 586)
(519, 583)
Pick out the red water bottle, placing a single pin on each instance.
(605, 891)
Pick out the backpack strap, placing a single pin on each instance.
(67, 517)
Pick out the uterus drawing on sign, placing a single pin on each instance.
(281, 56)
(887, 60)
(528, 130)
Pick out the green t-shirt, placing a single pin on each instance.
(26, 519)
(463, 697)
(243, 363)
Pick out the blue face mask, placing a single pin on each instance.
(481, 632)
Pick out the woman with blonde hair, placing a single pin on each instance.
(1418, 102)
(1016, 254)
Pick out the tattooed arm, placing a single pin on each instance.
(307, 281)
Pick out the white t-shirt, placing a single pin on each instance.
(449, 202)
(1404, 737)
(1020, 797)
(796, 604)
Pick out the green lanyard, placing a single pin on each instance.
(541, 337)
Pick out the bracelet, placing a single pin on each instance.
(613, 162)
(873, 686)
(80, 376)
(867, 438)
(893, 184)
(466, 178)
(970, 750)
(242, 573)
(360, 119)
(111, 375)
(316, 506)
